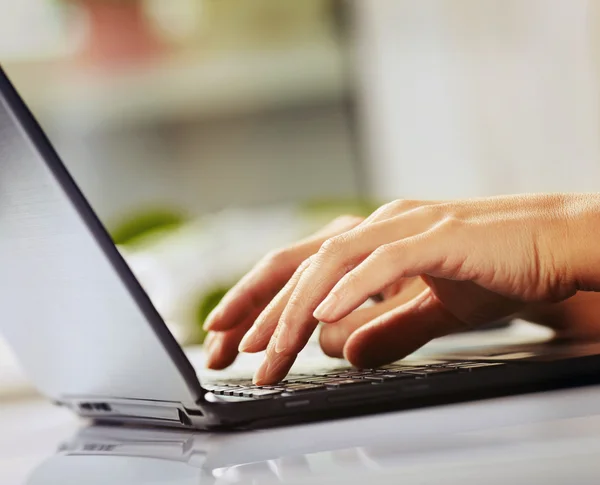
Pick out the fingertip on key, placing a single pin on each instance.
(258, 379)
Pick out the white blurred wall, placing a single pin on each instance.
(478, 97)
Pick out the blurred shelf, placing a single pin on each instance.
(181, 88)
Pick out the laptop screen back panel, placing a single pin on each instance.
(73, 313)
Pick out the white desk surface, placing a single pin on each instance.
(548, 438)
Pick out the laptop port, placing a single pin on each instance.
(101, 407)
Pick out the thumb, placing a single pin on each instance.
(401, 331)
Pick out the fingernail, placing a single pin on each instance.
(210, 337)
(282, 341)
(248, 341)
(326, 308)
(208, 323)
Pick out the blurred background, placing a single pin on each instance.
(207, 132)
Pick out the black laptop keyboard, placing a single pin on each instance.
(343, 378)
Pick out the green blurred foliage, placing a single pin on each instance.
(139, 227)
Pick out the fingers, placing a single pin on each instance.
(274, 367)
(222, 347)
(266, 279)
(426, 253)
(400, 332)
(266, 331)
(335, 258)
(257, 339)
(333, 336)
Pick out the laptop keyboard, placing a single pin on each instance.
(343, 378)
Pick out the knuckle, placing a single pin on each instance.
(451, 223)
(447, 209)
(434, 213)
(295, 303)
(306, 263)
(396, 207)
(403, 204)
(348, 220)
(351, 280)
(277, 258)
(384, 252)
(392, 207)
(396, 204)
(332, 247)
(448, 217)
(430, 211)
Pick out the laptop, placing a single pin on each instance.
(89, 338)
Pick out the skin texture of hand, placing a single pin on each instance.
(440, 267)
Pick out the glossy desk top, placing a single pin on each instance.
(539, 438)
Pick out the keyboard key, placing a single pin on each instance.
(453, 364)
(431, 371)
(353, 375)
(374, 379)
(404, 368)
(304, 387)
(261, 393)
(477, 365)
(301, 385)
(370, 372)
(236, 382)
(347, 382)
(242, 392)
(388, 377)
(293, 380)
(317, 380)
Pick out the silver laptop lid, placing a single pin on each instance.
(75, 316)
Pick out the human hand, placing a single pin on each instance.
(478, 260)
(237, 312)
